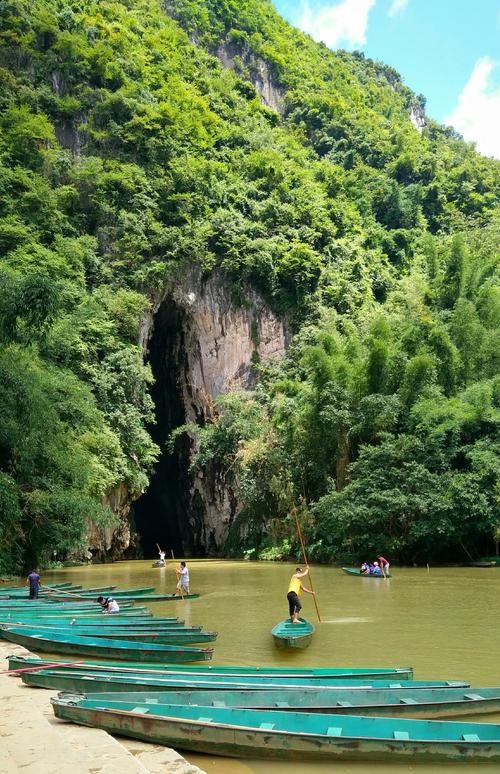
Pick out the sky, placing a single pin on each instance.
(447, 50)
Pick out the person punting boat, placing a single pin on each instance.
(295, 588)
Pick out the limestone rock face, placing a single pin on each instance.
(240, 58)
(211, 350)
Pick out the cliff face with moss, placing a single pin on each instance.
(154, 152)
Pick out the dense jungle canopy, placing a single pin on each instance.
(130, 152)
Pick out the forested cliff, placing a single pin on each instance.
(175, 166)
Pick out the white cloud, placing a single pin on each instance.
(344, 23)
(397, 6)
(477, 113)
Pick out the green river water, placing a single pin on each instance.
(444, 623)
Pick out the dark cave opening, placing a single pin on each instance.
(160, 514)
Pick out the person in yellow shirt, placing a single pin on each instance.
(295, 588)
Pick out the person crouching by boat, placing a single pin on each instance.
(384, 566)
(33, 580)
(375, 570)
(108, 605)
(295, 589)
(365, 569)
(182, 579)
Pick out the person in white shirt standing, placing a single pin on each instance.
(182, 579)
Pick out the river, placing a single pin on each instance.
(443, 622)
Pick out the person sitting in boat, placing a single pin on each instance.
(182, 579)
(375, 569)
(295, 589)
(365, 569)
(384, 566)
(108, 605)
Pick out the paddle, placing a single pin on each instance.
(180, 584)
(57, 592)
(301, 538)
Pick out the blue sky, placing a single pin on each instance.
(448, 50)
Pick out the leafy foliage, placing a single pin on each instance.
(128, 155)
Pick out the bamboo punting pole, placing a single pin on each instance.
(301, 538)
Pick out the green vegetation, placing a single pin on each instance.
(129, 154)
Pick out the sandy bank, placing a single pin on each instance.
(33, 741)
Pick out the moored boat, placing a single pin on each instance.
(353, 571)
(397, 675)
(124, 597)
(104, 648)
(425, 703)
(79, 679)
(105, 622)
(289, 635)
(287, 735)
(175, 636)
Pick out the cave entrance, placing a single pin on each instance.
(161, 513)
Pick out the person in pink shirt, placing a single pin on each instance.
(384, 566)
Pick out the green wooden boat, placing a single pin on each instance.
(426, 703)
(78, 679)
(107, 622)
(93, 590)
(137, 614)
(24, 589)
(43, 606)
(243, 733)
(400, 675)
(179, 636)
(141, 597)
(289, 635)
(104, 648)
(117, 593)
(353, 571)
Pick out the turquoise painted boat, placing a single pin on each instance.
(117, 593)
(399, 676)
(353, 571)
(137, 614)
(425, 703)
(140, 597)
(106, 622)
(242, 733)
(179, 636)
(79, 679)
(104, 648)
(24, 589)
(43, 606)
(289, 635)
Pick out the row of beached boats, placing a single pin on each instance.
(136, 690)
(65, 619)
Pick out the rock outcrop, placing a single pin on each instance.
(211, 350)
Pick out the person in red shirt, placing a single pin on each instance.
(384, 566)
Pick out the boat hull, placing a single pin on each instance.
(119, 649)
(427, 704)
(175, 636)
(225, 738)
(357, 573)
(78, 680)
(288, 635)
(394, 676)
